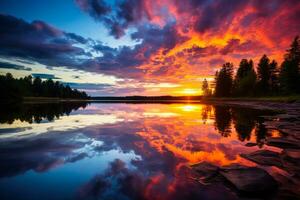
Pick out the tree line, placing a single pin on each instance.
(15, 89)
(269, 79)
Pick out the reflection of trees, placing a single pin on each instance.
(261, 133)
(223, 120)
(37, 112)
(206, 110)
(244, 122)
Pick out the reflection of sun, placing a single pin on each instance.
(190, 91)
(189, 108)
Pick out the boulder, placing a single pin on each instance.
(250, 180)
(264, 157)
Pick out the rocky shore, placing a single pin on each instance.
(258, 182)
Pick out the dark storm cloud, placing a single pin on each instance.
(210, 14)
(196, 51)
(38, 41)
(217, 13)
(125, 61)
(215, 16)
(116, 17)
(235, 45)
(77, 38)
(7, 65)
(156, 37)
(216, 62)
(230, 47)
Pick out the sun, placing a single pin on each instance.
(190, 91)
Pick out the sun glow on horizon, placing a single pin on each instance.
(191, 91)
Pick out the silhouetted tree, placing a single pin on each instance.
(263, 75)
(205, 88)
(9, 88)
(37, 86)
(224, 81)
(274, 77)
(245, 79)
(27, 86)
(289, 73)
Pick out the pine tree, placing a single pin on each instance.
(205, 88)
(289, 73)
(263, 75)
(224, 81)
(274, 77)
(245, 79)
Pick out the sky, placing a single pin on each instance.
(140, 47)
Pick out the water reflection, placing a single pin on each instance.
(245, 121)
(37, 112)
(124, 151)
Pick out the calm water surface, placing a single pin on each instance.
(121, 151)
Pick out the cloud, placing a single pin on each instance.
(40, 42)
(88, 86)
(44, 76)
(7, 65)
(117, 17)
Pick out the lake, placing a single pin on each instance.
(123, 151)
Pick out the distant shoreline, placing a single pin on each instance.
(161, 99)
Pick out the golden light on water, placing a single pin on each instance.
(189, 108)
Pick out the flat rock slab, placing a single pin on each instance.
(205, 169)
(284, 143)
(249, 179)
(206, 173)
(264, 157)
(292, 153)
(291, 161)
(250, 144)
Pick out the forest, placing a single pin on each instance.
(16, 89)
(268, 79)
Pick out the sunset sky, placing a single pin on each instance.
(140, 47)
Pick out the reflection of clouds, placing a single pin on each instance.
(117, 181)
(152, 144)
(121, 182)
(159, 114)
(50, 151)
(64, 123)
